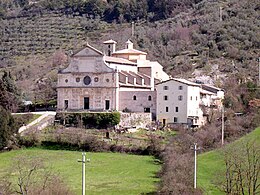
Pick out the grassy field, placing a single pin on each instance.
(211, 163)
(106, 173)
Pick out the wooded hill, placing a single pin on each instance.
(191, 38)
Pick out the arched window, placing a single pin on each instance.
(149, 98)
(134, 97)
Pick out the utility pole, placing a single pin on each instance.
(83, 172)
(222, 125)
(195, 148)
(258, 71)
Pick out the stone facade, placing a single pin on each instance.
(122, 80)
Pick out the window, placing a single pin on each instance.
(77, 79)
(134, 97)
(149, 98)
(167, 109)
(180, 87)
(165, 97)
(196, 98)
(175, 120)
(165, 88)
(96, 79)
(87, 80)
(176, 109)
(147, 110)
(190, 97)
(180, 97)
(66, 80)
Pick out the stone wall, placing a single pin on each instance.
(138, 120)
(141, 102)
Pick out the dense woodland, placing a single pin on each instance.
(216, 41)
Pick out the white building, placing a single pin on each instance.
(180, 101)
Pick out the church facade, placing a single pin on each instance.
(122, 80)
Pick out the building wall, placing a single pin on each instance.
(126, 100)
(97, 98)
(193, 101)
(195, 114)
(176, 107)
(123, 67)
(138, 120)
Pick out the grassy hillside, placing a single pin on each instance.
(210, 165)
(106, 173)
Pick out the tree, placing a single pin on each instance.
(9, 94)
(7, 127)
(32, 178)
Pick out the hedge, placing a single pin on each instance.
(99, 120)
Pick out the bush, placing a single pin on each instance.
(22, 119)
(89, 120)
(7, 127)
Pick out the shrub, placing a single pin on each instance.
(22, 119)
(89, 120)
(7, 127)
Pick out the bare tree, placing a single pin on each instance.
(242, 167)
(32, 178)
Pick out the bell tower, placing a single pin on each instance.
(111, 47)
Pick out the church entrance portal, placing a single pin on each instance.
(107, 104)
(86, 103)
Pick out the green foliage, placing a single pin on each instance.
(7, 127)
(9, 94)
(89, 120)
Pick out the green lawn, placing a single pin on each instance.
(106, 173)
(211, 163)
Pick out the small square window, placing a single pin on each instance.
(180, 87)
(165, 87)
(77, 79)
(167, 109)
(175, 119)
(165, 97)
(176, 109)
(180, 97)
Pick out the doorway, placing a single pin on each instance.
(107, 104)
(86, 103)
(66, 104)
(164, 122)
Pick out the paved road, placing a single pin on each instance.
(41, 112)
(37, 121)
